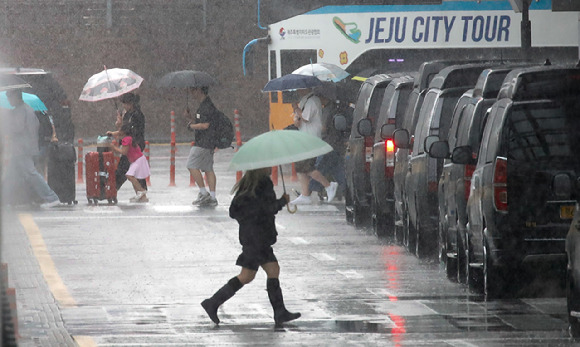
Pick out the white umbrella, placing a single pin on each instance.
(325, 72)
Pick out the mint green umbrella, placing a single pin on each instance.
(276, 148)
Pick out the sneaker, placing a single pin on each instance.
(209, 202)
(50, 204)
(301, 200)
(138, 197)
(143, 198)
(201, 198)
(331, 191)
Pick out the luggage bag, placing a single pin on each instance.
(100, 177)
(61, 171)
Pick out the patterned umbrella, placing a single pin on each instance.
(110, 83)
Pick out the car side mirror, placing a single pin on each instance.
(429, 140)
(463, 155)
(365, 127)
(339, 122)
(401, 138)
(439, 150)
(387, 131)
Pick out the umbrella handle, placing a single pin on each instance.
(291, 210)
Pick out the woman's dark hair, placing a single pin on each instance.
(130, 98)
(127, 129)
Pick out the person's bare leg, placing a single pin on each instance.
(303, 179)
(318, 176)
(197, 177)
(135, 183)
(211, 180)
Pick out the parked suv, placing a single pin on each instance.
(421, 182)
(467, 125)
(525, 184)
(427, 71)
(359, 149)
(383, 154)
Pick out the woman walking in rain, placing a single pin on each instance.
(254, 207)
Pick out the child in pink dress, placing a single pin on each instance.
(139, 168)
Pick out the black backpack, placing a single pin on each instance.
(224, 130)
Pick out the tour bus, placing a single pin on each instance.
(397, 38)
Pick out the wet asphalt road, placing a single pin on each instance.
(134, 275)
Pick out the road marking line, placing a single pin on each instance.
(298, 241)
(51, 276)
(323, 256)
(353, 274)
(84, 341)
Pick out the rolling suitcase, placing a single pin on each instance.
(61, 171)
(100, 177)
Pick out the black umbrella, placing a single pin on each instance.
(9, 81)
(186, 79)
(291, 82)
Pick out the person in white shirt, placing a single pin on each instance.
(308, 118)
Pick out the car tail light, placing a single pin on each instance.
(500, 197)
(389, 157)
(468, 172)
(368, 152)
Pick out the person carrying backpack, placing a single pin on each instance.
(200, 158)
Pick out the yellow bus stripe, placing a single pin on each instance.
(55, 283)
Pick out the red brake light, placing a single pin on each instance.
(389, 157)
(500, 197)
(389, 146)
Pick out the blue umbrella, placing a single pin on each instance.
(31, 99)
(291, 82)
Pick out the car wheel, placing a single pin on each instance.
(399, 225)
(462, 264)
(573, 303)
(492, 279)
(422, 247)
(379, 220)
(474, 275)
(411, 234)
(348, 205)
(361, 216)
(446, 248)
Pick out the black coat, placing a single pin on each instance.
(256, 215)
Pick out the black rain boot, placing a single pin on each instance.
(281, 314)
(222, 295)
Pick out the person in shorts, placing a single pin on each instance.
(308, 118)
(200, 157)
(254, 207)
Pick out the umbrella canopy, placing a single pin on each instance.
(109, 84)
(186, 79)
(30, 99)
(276, 148)
(325, 72)
(9, 81)
(291, 82)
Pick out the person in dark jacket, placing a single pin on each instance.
(254, 207)
(133, 116)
